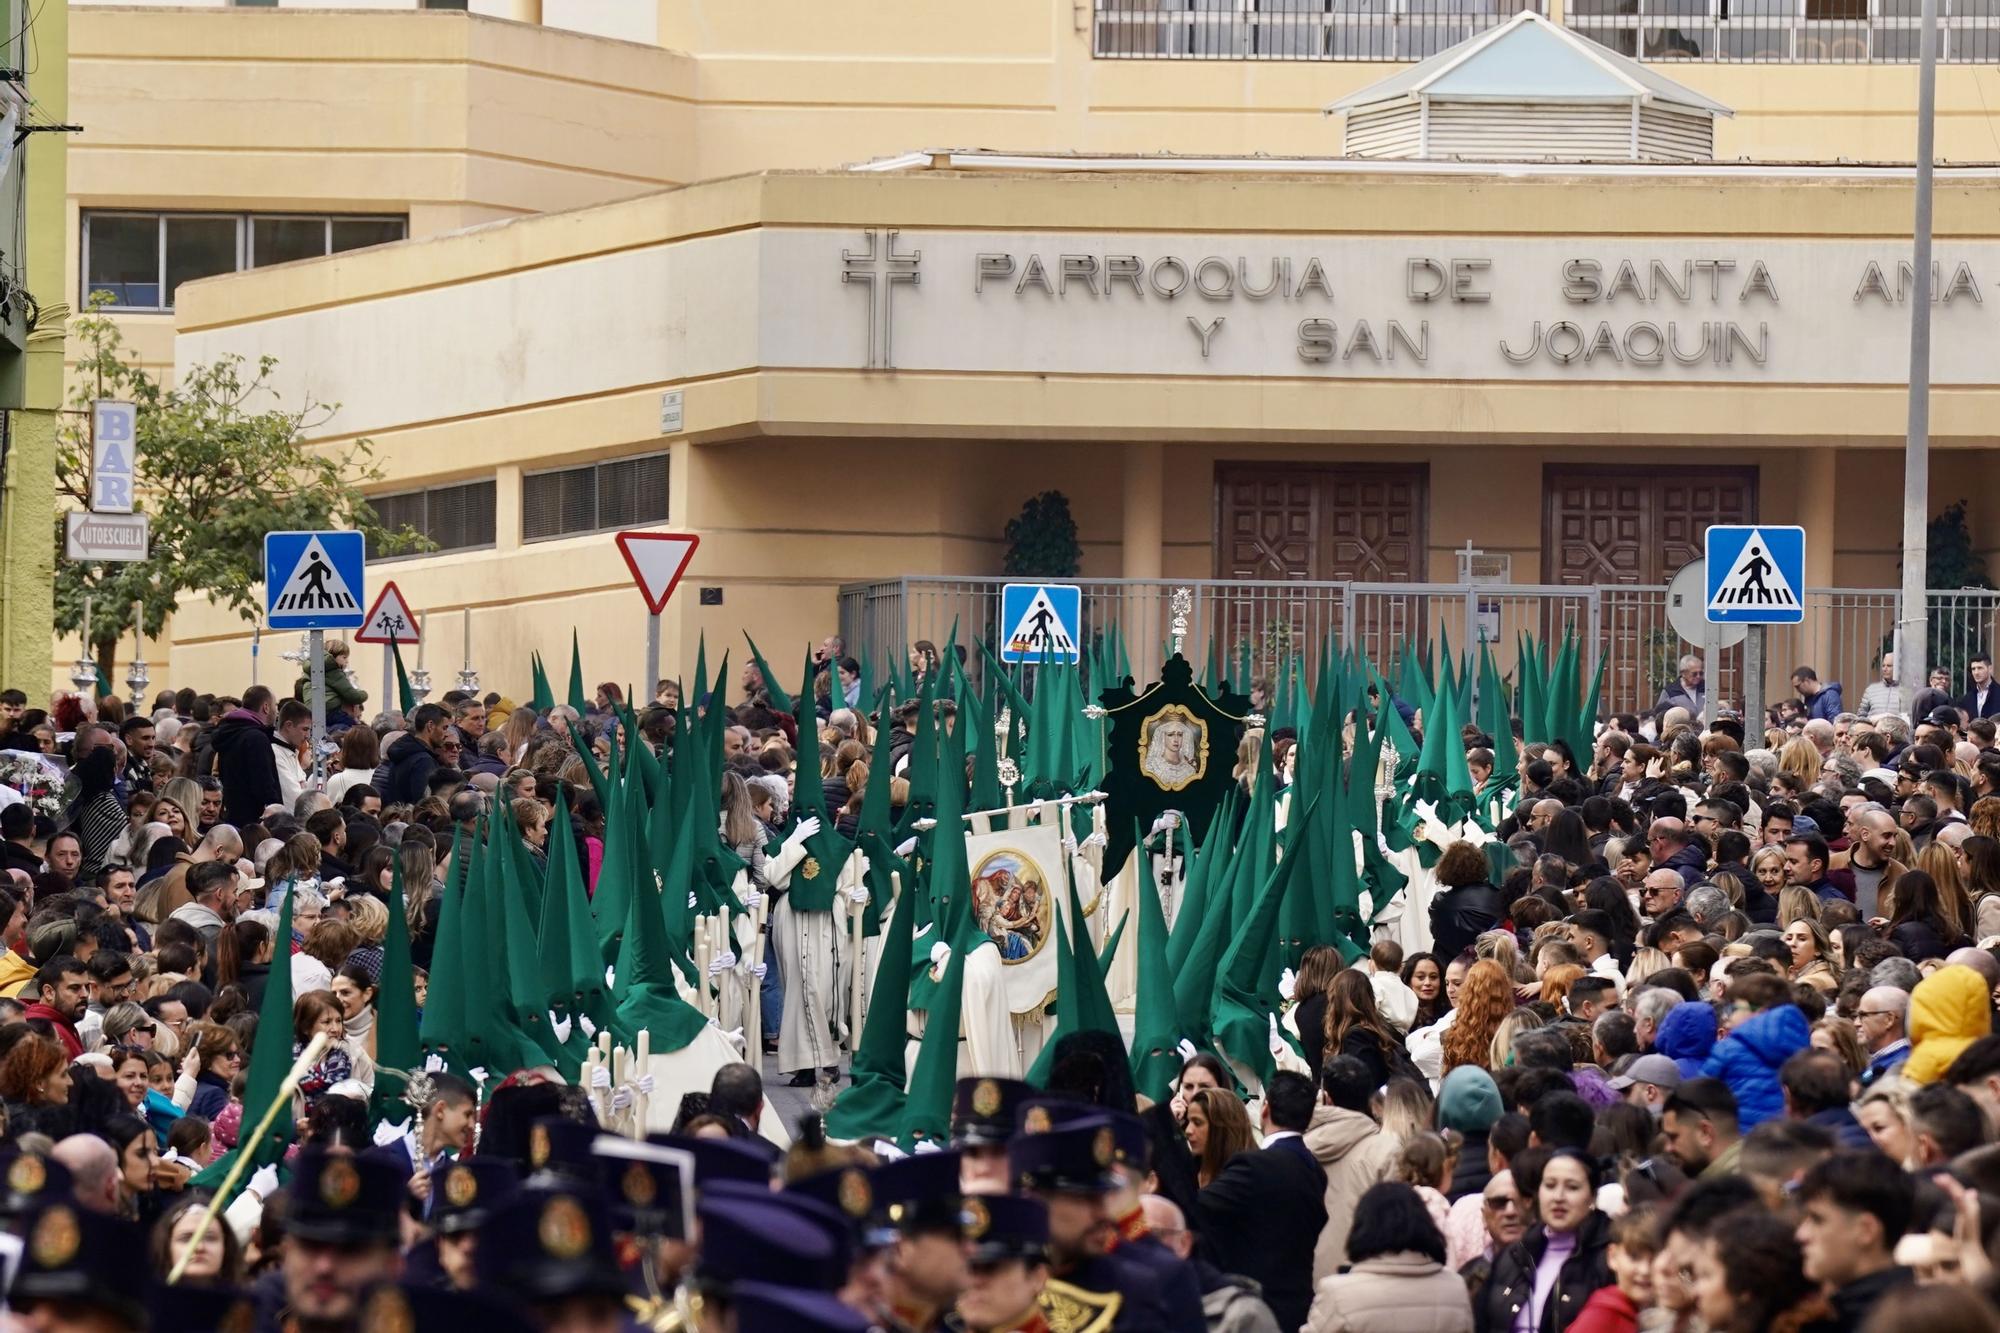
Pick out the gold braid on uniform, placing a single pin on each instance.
(1071, 1309)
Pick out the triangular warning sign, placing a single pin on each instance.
(314, 585)
(657, 561)
(1754, 580)
(390, 620)
(1040, 630)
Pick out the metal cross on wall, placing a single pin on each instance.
(881, 268)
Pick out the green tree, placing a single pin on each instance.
(220, 463)
(1042, 540)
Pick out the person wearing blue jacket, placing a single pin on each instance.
(1687, 1035)
(1749, 1058)
(1819, 700)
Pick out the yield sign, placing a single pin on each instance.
(657, 560)
(390, 620)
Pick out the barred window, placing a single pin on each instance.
(619, 493)
(456, 518)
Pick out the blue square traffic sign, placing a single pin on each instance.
(314, 580)
(1040, 622)
(1756, 574)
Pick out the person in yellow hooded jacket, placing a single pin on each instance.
(1949, 1010)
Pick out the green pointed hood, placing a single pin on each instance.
(579, 697)
(397, 1050)
(1156, 1028)
(780, 701)
(1245, 997)
(646, 998)
(406, 698)
(543, 698)
(872, 1104)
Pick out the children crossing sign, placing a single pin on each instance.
(1756, 575)
(313, 580)
(1039, 622)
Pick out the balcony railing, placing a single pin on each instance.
(1807, 32)
(1657, 31)
(1375, 30)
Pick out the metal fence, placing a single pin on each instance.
(1843, 636)
(1381, 30)
(1665, 31)
(1812, 32)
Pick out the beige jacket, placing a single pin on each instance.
(1392, 1293)
(1356, 1154)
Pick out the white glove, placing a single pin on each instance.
(1069, 843)
(644, 1083)
(905, 847)
(264, 1181)
(940, 953)
(1166, 823)
(690, 900)
(749, 898)
(928, 1146)
(1278, 1046)
(560, 1026)
(721, 963)
(924, 825)
(600, 1078)
(759, 970)
(478, 1073)
(856, 894)
(433, 1063)
(589, 1028)
(389, 1131)
(887, 1151)
(621, 1100)
(1288, 983)
(610, 976)
(1096, 839)
(804, 829)
(734, 1036)
(1185, 1049)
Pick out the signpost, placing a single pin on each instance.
(313, 581)
(1753, 574)
(1041, 622)
(1687, 598)
(657, 561)
(114, 442)
(91, 536)
(390, 623)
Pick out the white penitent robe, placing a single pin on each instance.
(808, 956)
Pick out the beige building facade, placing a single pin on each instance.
(1250, 360)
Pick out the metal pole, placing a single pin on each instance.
(1753, 686)
(1711, 673)
(1910, 665)
(651, 683)
(256, 644)
(316, 649)
(388, 695)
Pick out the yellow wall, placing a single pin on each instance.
(804, 83)
(449, 118)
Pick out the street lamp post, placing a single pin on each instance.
(1914, 647)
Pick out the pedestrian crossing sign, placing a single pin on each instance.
(1756, 574)
(314, 580)
(1039, 622)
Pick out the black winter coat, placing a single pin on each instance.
(247, 765)
(1512, 1283)
(1459, 916)
(411, 764)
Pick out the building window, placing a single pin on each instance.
(456, 518)
(140, 258)
(621, 493)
